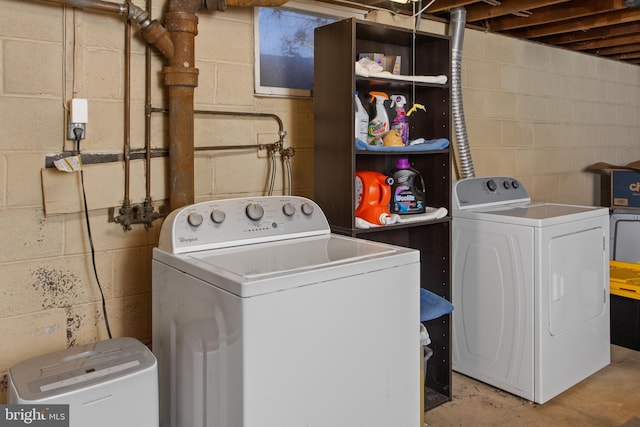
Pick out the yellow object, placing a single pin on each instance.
(414, 108)
(392, 139)
(624, 279)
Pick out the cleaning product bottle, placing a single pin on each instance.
(400, 122)
(379, 125)
(362, 121)
(407, 190)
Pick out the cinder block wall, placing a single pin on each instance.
(537, 113)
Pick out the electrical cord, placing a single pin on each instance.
(77, 132)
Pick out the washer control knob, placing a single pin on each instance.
(218, 216)
(515, 184)
(254, 211)
(288, 209)
(194, 219)
(491, 185)
(506, 184)
(307, 208)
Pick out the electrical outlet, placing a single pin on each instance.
(71, 130)
(78, 118)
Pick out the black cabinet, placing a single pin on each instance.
(336, 159)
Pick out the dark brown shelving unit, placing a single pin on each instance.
(336, 158)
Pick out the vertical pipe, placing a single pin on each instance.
(181, 78)
(127, 112)
(457, 23)
(147, 122)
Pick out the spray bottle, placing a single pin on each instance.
(379, 125)
(361, 121)
(400, 122)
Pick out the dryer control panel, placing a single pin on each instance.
(488, 191)
(236, 222)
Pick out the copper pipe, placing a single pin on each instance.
(147, 122)
(127, 111)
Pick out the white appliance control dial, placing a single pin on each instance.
(307, 209)
(235, 222)
(194, 219)
(254, 211)
(218, 216)
(288, 209)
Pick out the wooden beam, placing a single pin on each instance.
(592, 34)
(481, 11)
(608, 42)
(581, 24)
(629, 48)
(561, 12)
(446, 5)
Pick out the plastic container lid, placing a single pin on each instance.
(403, 163)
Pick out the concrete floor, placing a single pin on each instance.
(610, 397)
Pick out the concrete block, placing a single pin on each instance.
(85, 324)
(131, 316)
(232, 176)
(226, 39)
(132, 272)
(31, 123)
(235, 85)
(38, 73)
(31, 335)
(515, 133)
(3, 180)
(483, 132)
(28, 235)
(60, 282)
(102, 74)
(23, 185)
(31, 20)
(107, 235)
(483, 74)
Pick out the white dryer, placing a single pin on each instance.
(530, 289)
(263, 318)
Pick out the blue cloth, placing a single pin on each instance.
(433, 306)
(430, 144)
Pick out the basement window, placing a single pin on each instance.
(284, 45)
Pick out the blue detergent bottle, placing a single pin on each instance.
(407, 190)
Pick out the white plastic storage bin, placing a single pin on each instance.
(625, 235)
(107, 383)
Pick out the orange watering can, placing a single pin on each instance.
(373, 194)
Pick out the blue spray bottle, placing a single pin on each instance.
(400, 122)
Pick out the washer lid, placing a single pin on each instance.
(270, 267)
(537, 215)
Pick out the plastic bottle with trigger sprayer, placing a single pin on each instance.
(379, 125)
(361, 121)
(400, 122)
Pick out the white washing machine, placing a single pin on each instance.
(530, 288)
(263, 318)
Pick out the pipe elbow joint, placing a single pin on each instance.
(138, 14)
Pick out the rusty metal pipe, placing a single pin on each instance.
(181, 78)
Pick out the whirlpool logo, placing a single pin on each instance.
(34, 415)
